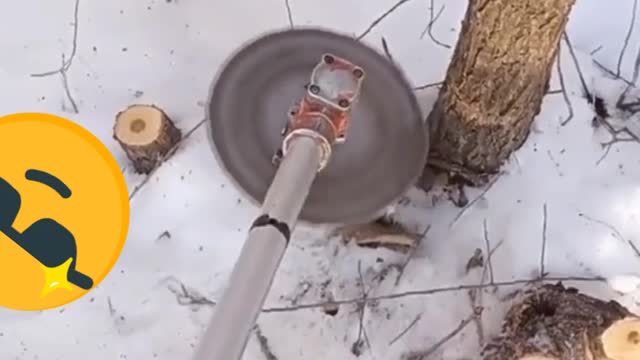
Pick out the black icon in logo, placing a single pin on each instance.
(46, 240)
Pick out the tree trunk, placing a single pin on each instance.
(146, 134)
(495, 83)
(558, 323)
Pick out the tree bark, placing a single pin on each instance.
(146, 134)
(558, 323)
(495, 83)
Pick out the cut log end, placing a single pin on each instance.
(555, 323)
(146, 134)
(621, 341)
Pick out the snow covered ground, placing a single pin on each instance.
(188, 222)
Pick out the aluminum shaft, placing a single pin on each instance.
(250, 281)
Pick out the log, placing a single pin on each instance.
(146, 134)
(558, 323)
(495, 83)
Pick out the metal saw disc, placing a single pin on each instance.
(386, 145)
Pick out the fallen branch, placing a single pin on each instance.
(289, 14)
(432, 291)
(427, 86)
(472, 202)
(356, 347)
(432, 19)
(585, 88)
(615, 233)
(406, 330)
(432, 349)
(627, 37)
(381, 17)
(563, 88)
(385, 47)
(544, 241)
(265, 348)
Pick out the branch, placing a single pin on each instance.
(170, 153)
(385, 47)
(432, 291)
(563, 88)
(381, 17)
(627, 37)
(430, 85)
(406, 330)
(585, 88)
(432, 349)
(432, 19)
(409, 256)
(362, 332)
(544, 241)
(489, 265)
(615, 233)
(264, 344)
(288, 6)
(74, 46)
(472, 202)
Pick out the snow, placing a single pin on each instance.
(167, 52)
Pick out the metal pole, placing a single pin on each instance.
(235, 315)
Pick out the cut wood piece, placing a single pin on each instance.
(375, 234)
(146, 134)
(621, 341)
(557, 323)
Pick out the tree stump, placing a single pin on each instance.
(558, 323)
(146, 134)
(495, 83)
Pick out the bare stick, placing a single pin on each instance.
(627, 37)
(472, 202)
(554, 92)
(406, 330)
(615, 232)
(288, 6)
(385, 47)
(485, 232)
(167, 156)
(544, 241)
(432, 349)
(564, 88)
(74, 46)
(67, 91)
(264, 344)
(595, 51)
(585, 88)
(636, 72)
(432, 19)
(411, 253)
(611, 73)
(362, 332)
(188, 297)
(433, 291)
(381, 17)
(430, 85)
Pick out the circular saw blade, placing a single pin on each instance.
(387, 142)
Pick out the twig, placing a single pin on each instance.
(627, 37)
(564, 88)
(165, 158)
(188, 297)
(74, 47)
(67, 91)
(485, 232)
(385, 47)
(432, 349)
(406, 330)
(611, 73)
(432, 291)
(430, 85)
(289, 14)
(615, 233)
(595, 51)
(264, 344)
(381, 17)
(410, 255)
(554, 92)
(112, 310)
(432, 19)
(362, 332)
(544, 241)
(472, 202)
(585, 88)
(636, 72)
(615, 137)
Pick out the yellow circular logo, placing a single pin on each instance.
(64, 211)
